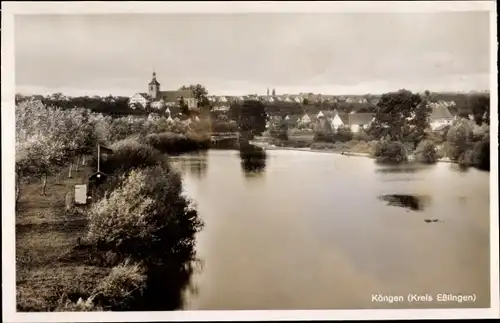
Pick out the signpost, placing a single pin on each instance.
(98, 177)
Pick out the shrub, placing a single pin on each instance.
(343, 134)
(362, 136)
(172, 143)
(426, 152)
(481, 154)
(66, 305)
(146, 212)
(129, 154)
(390, 152)
(118, 290)
(458, 140)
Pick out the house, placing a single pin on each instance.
(360, 121)
(440, 115)
(355, 122)
(305, 119)
(139, 100)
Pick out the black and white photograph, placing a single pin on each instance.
(189, 161)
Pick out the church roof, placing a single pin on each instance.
(173, 96)
(154, 82)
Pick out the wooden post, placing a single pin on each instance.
(69, 201)
(70, 169)
(44, 185)
(98, 158)
(77, 165)
(58, 178)
(84, 160)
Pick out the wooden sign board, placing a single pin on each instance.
(81, 194)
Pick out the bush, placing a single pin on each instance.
(481, 155)
(66, 305)
(459, 140)
(129, 154)
(390, 152)
(224, 126)
(146, 212)
(362, 136)
(172, 143)
(118, 290)
(343, 134)
(426, 152)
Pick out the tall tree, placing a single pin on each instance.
(398, 113)
(479, 104)
(234, 111)
(252, 118)
(200, 93)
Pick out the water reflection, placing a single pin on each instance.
(194, 164)
(402, 169)
(412, 202)
(253, 160)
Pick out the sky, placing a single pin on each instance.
(238, 54)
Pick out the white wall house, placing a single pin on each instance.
(305, 119)
(440, 116)
(138, 99)
(336, 122)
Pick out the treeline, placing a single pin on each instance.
(140, 226)
(115, 106)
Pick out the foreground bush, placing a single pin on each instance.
(121, 287)
(146, 212)
(117, 291)
(392, 152)
(426, 152)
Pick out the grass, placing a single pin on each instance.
(48, 266)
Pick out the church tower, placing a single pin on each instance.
(154, 87)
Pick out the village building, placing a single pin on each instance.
(355, 122)
(158, 99)
(440, 116)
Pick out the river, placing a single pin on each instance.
(325, 231)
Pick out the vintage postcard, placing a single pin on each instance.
(168, 161)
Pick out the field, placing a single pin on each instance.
(49, 267)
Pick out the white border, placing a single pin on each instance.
(8, 151)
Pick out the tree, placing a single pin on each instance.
(400, 112)
(458, 139)
(252, 118)
(426, 152)
(479, 104)
(279, 130)
(200, 93)
(234, 111)
(184, 106)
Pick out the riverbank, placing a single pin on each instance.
(267, 146)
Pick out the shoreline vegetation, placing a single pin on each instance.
(92, 257)
(132, 247)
